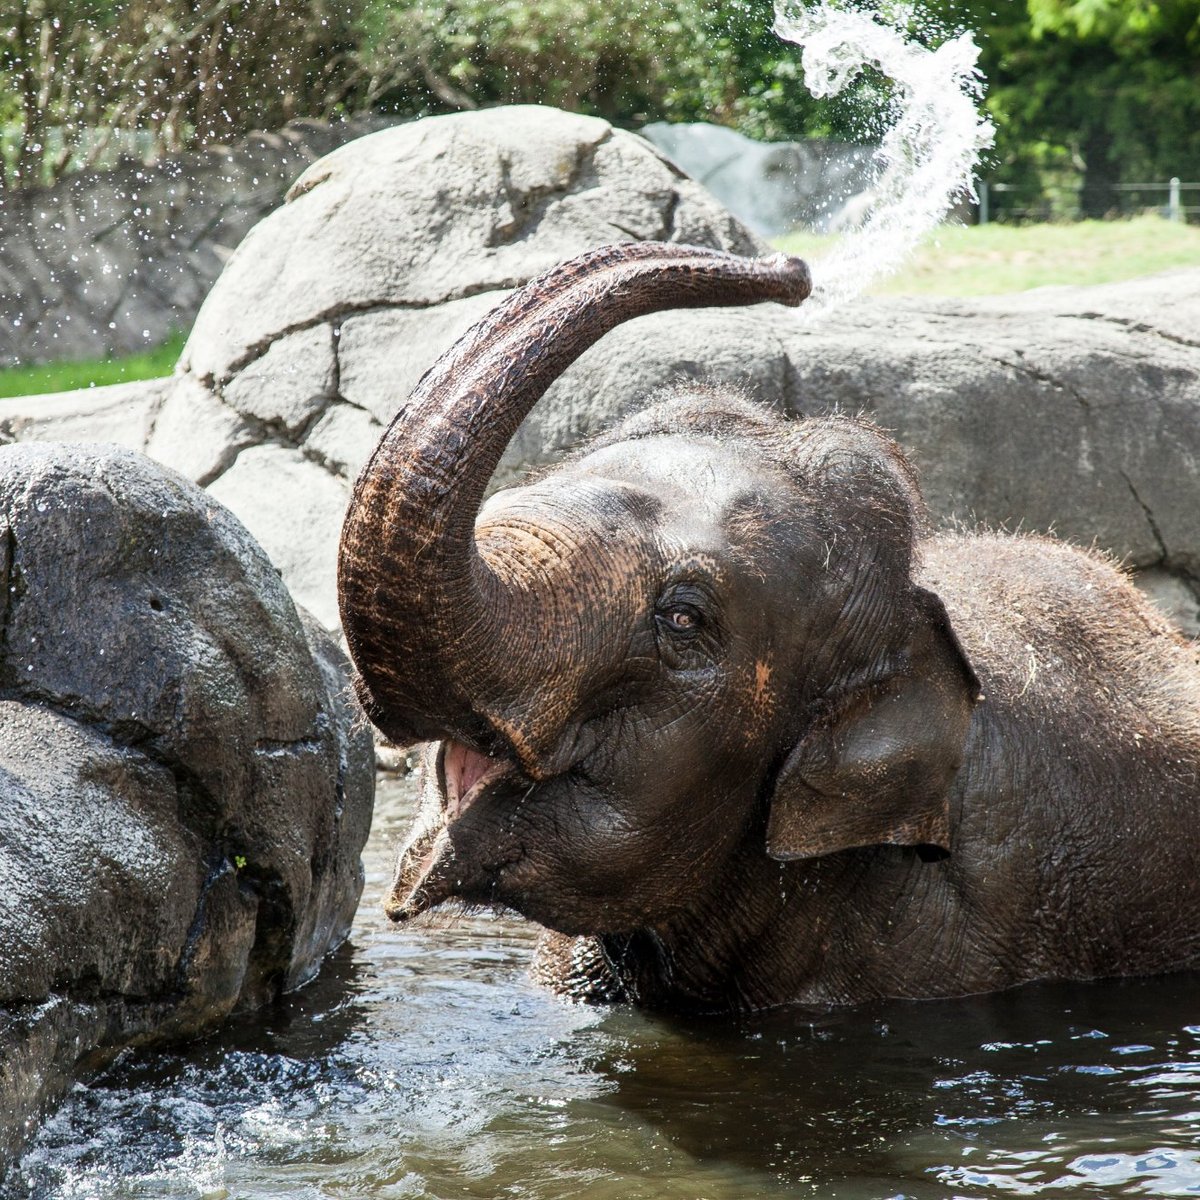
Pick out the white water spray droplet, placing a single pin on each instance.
(926, 162)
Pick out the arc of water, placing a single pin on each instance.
(929, 154)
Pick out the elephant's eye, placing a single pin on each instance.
(681, 619)
(687, 625)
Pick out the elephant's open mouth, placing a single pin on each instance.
(432, 867)
(463, 775)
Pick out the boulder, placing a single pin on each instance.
(437, 211)
(1073, 409)
(774, 187)
(186, 784)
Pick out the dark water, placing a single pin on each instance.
(423, 1063)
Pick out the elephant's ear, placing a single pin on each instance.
(878, 768)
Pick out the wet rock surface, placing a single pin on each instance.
(186, 786)
(1067, 409)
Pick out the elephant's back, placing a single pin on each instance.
(1054, 628)
(1083, 774)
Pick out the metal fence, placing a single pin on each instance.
(1174, 200)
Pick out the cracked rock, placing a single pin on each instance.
(440, 209)
(342, 440)
(290, 384)
(384, 353)
(196, 434)
(186, 785)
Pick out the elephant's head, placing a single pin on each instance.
(695, 643)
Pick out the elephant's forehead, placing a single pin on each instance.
(632, 506)
(570, 504)
(697, 476)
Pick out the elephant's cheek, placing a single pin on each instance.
(560, 891)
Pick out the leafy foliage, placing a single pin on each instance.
(675, 60)
(83, 80)
(1099, 91)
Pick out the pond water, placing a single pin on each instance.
(423, 1063)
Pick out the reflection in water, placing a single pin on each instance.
(1038, 1090)
(422, 1063)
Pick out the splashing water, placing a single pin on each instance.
(927, 159)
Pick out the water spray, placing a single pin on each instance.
(928, 156)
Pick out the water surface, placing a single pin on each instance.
(424, 1064)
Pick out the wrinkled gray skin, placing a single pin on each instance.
(720, 713)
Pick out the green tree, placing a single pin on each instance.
(1101, 92)
(81, 79)
(1087, 92)
(1128, 100)
(677, 60)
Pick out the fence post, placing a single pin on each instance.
(983, 202)
(1174, 205)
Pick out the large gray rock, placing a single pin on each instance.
(1072, 409)
(774, 187)
(440, 210)
(185, 785)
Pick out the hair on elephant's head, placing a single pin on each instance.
(695, 643)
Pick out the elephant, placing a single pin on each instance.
(713, 704)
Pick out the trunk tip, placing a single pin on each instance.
(794, 274)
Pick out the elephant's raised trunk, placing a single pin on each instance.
(416, 599)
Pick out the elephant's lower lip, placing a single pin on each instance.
(417, 887)
(432, 873)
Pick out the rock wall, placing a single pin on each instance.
(106, 262)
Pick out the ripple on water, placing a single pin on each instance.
(422, 1063)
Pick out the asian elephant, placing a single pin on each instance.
(715, 707)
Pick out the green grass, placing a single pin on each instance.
(977, 260)
(66, 376)
(973, 260)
